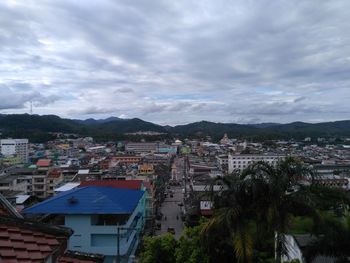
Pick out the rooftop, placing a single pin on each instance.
(89, 200)
(44, 163)
(25, 241)
(126, 184)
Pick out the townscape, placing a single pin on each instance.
(104, 198)
(162, 131)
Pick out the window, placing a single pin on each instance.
(109, 220)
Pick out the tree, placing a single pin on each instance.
(282, 197)
(259, 205)
(159, 249)
(231, 220)
(165, 249)
(189, 248)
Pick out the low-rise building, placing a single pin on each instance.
(146, 168)
(105, 220)
(242, 161)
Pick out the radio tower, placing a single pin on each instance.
(31, 108)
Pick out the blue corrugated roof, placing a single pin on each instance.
(89, 200)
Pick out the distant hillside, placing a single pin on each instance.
(129, 125)
(267, 130)
(37, 128)
(45, 123)
(92, 121)
(211, 128)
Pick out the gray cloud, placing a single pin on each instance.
(249, 60)
(10, 99)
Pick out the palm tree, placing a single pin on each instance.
(231, 218)
(266, 196)
(283, 196)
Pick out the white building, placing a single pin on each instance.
(11, 147)
(242, 161)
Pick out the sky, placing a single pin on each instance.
(175, 62)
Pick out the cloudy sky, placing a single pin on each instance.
(175, 62)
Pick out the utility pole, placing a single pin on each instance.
(118, 244)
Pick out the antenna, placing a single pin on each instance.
(31, 107)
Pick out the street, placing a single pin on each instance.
(172, 212)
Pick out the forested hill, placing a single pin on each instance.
(38, 128)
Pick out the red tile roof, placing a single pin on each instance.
(127, 184)
(26, 241)
(44, 163)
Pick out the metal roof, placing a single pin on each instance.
(66, 187)
(126, 184)
(20, 199)
(89, 200)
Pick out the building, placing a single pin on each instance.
(222, 161)
(12, 147)
(29, 241)
(225, 140)
(43, 165)
(54, 178)
(141, 147)
(132, 185)
(105, 220)
(147, 147)
(242, 161)
(145, 169)
(127, 159)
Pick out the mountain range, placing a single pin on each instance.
(38, 128)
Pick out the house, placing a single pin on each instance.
(43, 165)
(133, 185)
(22, 240)
(105, 220)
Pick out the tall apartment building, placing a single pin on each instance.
(242, 161)
(11, 147)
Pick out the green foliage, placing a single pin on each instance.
(190, 249)
(301, 225)
(329, 199)
(159, 249)
(165, 249)
(265, 201)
